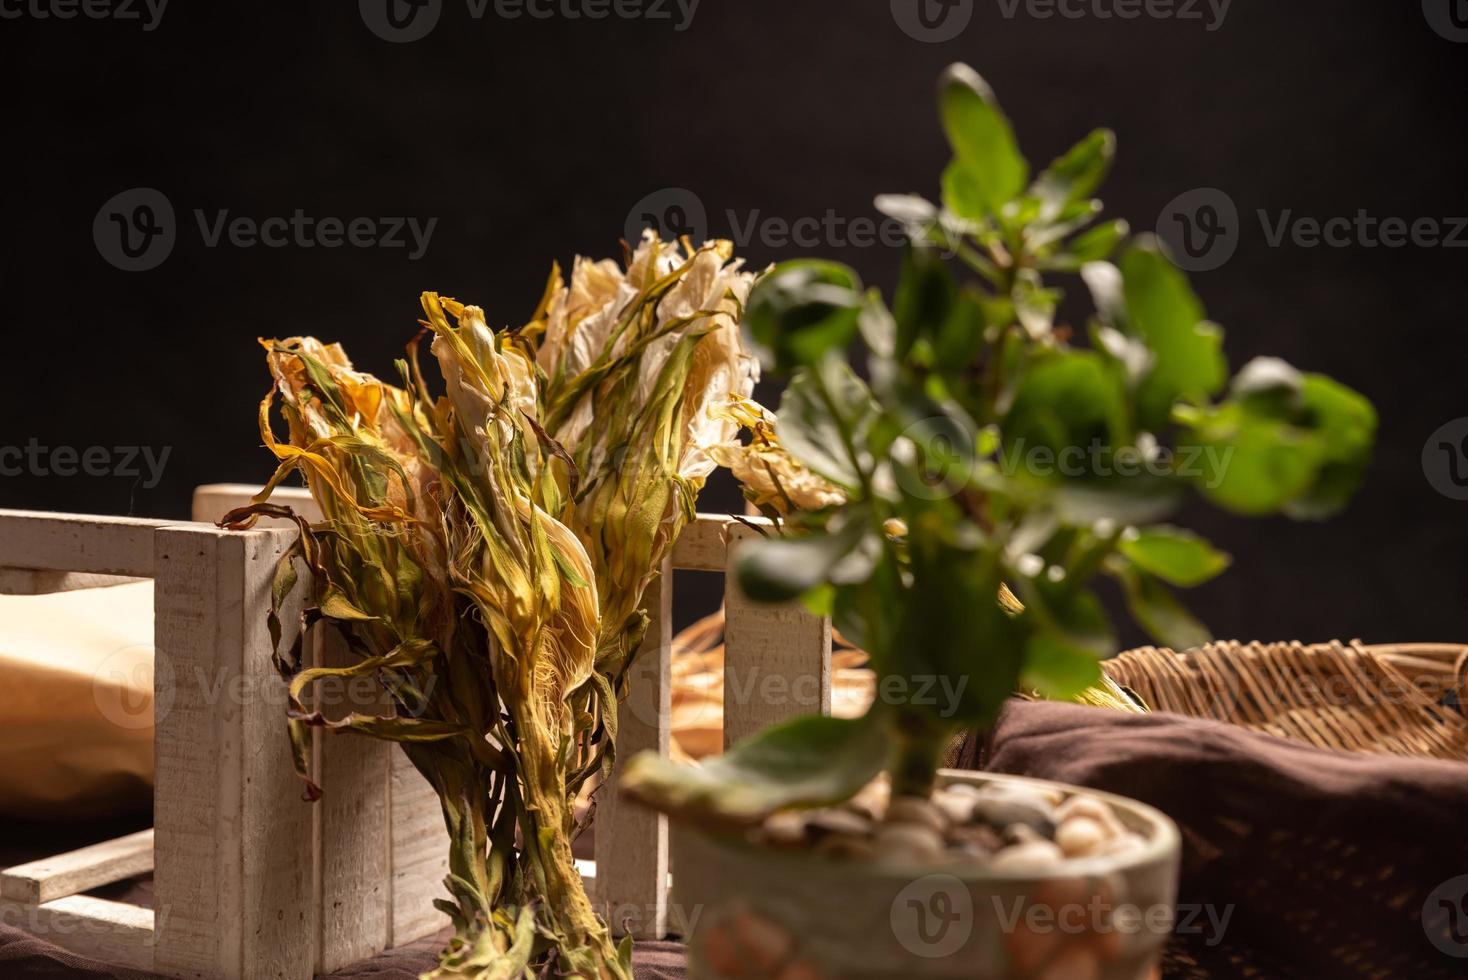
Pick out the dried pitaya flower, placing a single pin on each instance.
(532, 584)
(771, 478)
(634, 359)
(486, 554)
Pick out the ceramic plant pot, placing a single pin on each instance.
(754, 912)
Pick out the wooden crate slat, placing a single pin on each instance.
(30, 581)
(74, 543)
(631, 841)
(777, 659)
(213, 501)
(234, 861)
(110, 932)
(48, 879)
(419, 856)
(354, 851)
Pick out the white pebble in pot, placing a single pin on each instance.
(909, 842)
(1082, 836)
(1032, 857)
(917, 811)
(1004, 808)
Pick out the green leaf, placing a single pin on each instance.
(1095, 245)
(1244, 462)
(864, 611)
(878, 328)
(960, 338)
(1076, 175)
(964, 194)
(988, 168)
(1285, 441)
(1104, 281)
(1165, 313)
(1138, 500)
(924, 298)
(1058, 669)
(810, 431)
(808, 762)
(1034, 305)
(1345, 422)
(1158, 612)
(1069, 612)
(1064, 404)
(954, 640)
(1174, 555)
(801, 311)
(1132, 357)
(783, 569)
(1270, 387)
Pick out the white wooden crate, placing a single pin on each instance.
(249, 881)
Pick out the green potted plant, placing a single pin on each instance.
(985, 472)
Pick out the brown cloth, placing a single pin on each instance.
(1323, 861)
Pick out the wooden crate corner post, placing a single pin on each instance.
(380, 846)
(234, 870)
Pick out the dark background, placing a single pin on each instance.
(532, 140)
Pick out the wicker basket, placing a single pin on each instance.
(1397, 699)
(1401, 699)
